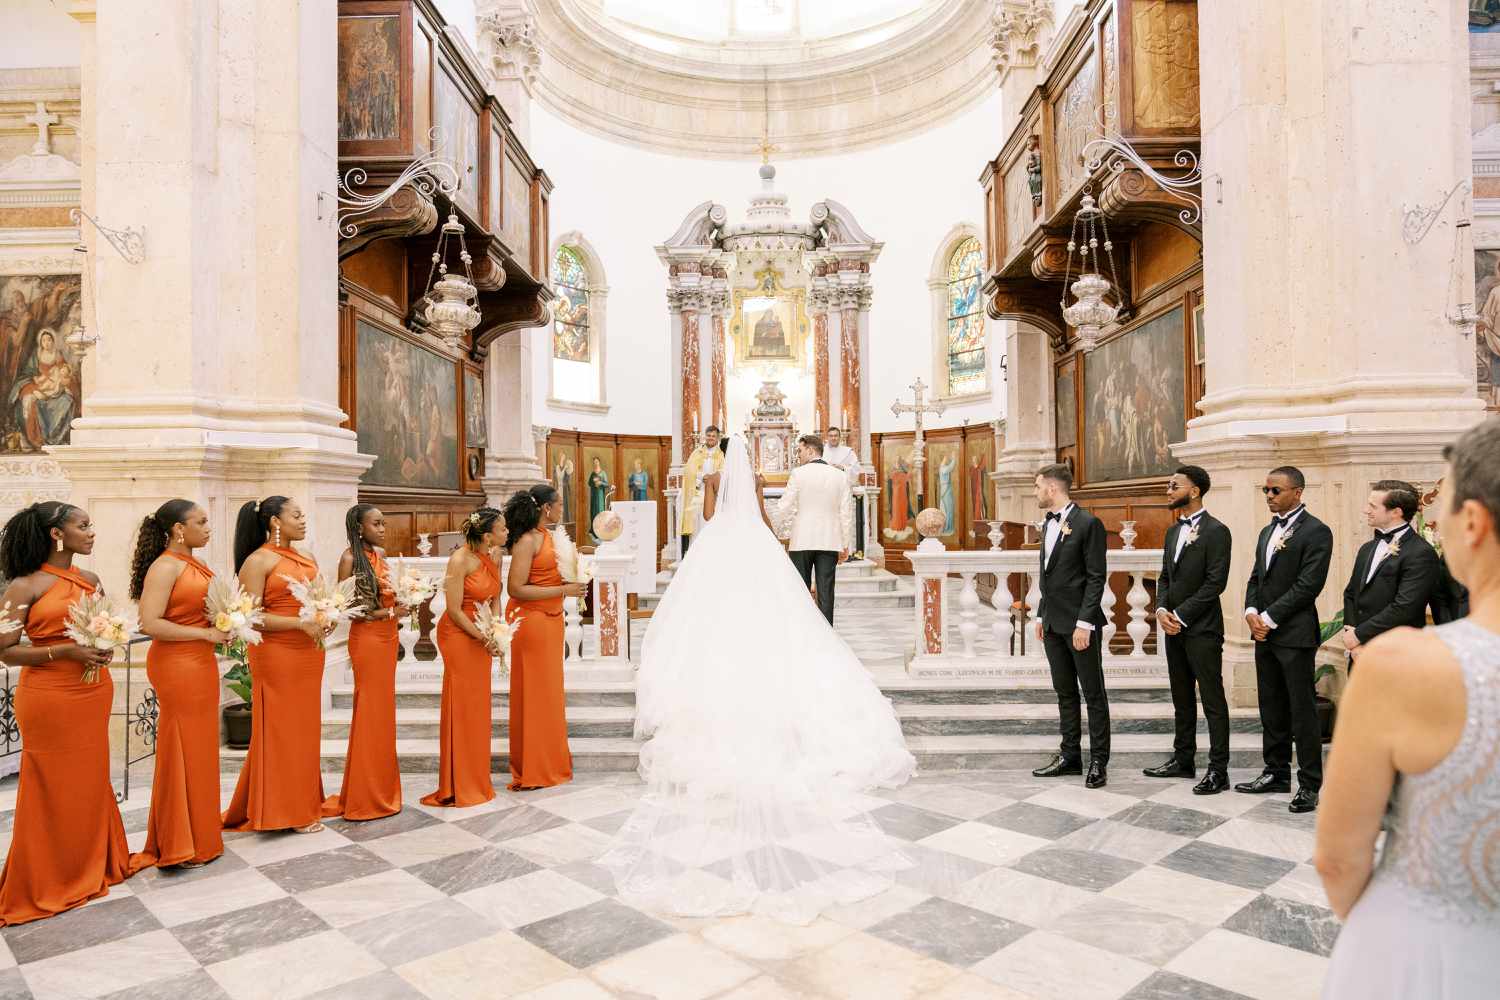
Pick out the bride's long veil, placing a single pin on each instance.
(763, 729)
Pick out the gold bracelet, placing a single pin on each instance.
(49, 653)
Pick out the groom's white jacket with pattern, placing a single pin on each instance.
(817, 510)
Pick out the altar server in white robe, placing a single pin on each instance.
(842, 457)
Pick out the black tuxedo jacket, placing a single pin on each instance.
(1449, 599)
(1398, 592)
(1073, 580)
(1287, 589)
(1191, 585)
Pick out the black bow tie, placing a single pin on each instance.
(1187, 520)
(1055, 516)
(1386, 536)
(1280, 521)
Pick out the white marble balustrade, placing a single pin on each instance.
(947, 641)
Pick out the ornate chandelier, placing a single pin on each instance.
(451, 310)
(1090, 313)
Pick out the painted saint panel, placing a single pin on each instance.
(516, 224)
(1067, 409)
(1487, 339)
(898, 508)
(1164, 63)
(407, 412)
(945, 484)
(40, 374)
(563, 469)
(458, 135)
(979, 462)
(475, 434)
(638, 465)
(600, 479)
(369, 68)
(1133, 401)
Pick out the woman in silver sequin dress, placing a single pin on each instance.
(1422, 716)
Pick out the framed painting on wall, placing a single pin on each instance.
(475, 435)
(1200, 336)
(562, 465)
(1487, 339)
(979, 505)
(42, 382)
(1133, 401)
(898, 508)
(599, 484)
(638, 466)
(407, 412)
(458, 137)
(945, 484)
(1067, 408)
(369, 77)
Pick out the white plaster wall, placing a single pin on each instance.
(36, 33)
(626, 200)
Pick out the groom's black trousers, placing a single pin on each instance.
(826, 565)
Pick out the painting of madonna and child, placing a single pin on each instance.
(39, 373)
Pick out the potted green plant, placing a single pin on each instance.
(237, 680)
(1327, 630)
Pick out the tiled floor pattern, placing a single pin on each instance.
(1022, 888)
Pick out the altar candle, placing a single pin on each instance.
(695, 421)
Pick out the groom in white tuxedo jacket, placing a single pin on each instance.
(817, 513)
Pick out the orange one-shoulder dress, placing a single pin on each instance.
(184, 824)
(67, 843)
(281, 785)
(372, 777)
(539, 755)
(466, 718)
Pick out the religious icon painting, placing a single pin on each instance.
(979, 462)
(600, 484)
(562, 469)
(1487, 338)
(43, 377)
(458, 137)
(639, 468)
(369, 77)
(1133, 401)
(407, 412)
(898, 510)
(945, 484)
(770, 324)
(1067, 407)
(475, 435)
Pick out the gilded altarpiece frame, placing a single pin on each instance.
(769, 325)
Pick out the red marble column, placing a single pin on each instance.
(720, 414)
(853, 376)
(820, 366)
(691, 423)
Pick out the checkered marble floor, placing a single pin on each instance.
(1022, 888)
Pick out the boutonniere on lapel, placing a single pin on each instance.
(1064, 528)
(1393, 547)
(1190, 535)
(1286, 536)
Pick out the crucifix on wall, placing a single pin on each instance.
(919, 443)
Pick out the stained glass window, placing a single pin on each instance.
(570, 311)
(966, 368)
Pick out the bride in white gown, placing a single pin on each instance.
(764, 729)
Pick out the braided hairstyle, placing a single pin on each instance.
(26, 539)
(151, 540)
(523, 511)
(478, 524)
(366, 583)
(253, 526)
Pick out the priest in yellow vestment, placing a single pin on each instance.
(705, 459)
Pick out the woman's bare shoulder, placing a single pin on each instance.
(1411, 671)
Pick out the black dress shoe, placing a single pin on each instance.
(1213, 783)
(1264, 785)
(1098, 776)
(1170, 768)
(1305, 801)
(1059, 767)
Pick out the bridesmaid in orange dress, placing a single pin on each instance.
(171, 587)
(472, 579)
(68, 844)
(539, 754)
(372, 778)
(281, 784)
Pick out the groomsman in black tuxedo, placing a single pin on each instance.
(1291, 566)
(1194, 573)
(1070, 624)
(1395, 574)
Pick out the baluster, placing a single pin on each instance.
(572, 629)
(424, 648)
(1003, 628)
(1137, 598)
(996, 535)
(1033, 598)
(1108, 605)
(968, 607)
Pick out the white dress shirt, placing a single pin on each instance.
(1383, 549)
(1281, 529)
(1189, 524)
(1049, 541)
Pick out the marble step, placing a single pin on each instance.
(608, 721)
(1129, 751)
(873, 600)
(999, 719)
(1027, 690)
(429, 695)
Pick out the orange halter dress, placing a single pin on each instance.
(539, 754)
(67, 843)
(467, 716)
(372, 776)
(281, 785)
(184, 823)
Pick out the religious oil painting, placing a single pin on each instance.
(945, 483)
(1484, 15)
(1133, 401)
(638, 467)
(562, 469)
(570, 310)
(1067, 408)
(979, 462)
(458, 136)
(600, 484)
(770, 322)
(475, 435)
(42, 375)
(370, 77)
(898, 509)
(1487, 333)
(406, 413)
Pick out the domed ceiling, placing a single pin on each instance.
(711, 78)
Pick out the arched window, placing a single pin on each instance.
(577, 326)
(964, 342)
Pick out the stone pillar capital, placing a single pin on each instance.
(1018, 26)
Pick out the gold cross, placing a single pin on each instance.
(765, 149)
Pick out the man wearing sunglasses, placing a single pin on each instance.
(1290, 567)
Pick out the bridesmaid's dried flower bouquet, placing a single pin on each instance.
(97, 622)
(231, 609)
(11, 619)
(497, 632)
(326, 604)
(573, 567)
(413, 588)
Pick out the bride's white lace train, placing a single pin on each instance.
(765, 731)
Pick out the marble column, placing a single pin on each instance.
(510, 461)
(851, 376)
(692, 418)
(1030, 427)
(1329, 346)
(822, 415)
(718, 404)
(221, 381)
